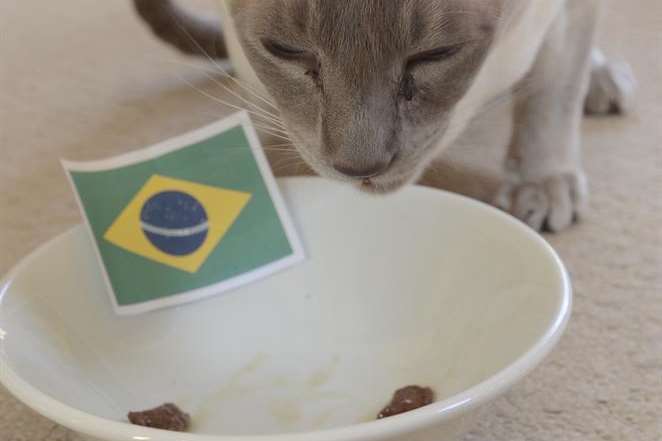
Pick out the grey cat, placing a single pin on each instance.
(371, 91)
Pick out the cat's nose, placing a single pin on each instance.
(362, 172)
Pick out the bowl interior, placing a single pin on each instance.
(421, 287)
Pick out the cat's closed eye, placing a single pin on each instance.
(408, 87)
(435, 55)
(295, 55)
(284, 51)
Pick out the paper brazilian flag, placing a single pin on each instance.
(185, 219)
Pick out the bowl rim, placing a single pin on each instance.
(418, 419)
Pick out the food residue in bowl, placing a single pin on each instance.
(166, 417)
(406, 399)
(170, 417)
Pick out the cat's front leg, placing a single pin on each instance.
(545, 185)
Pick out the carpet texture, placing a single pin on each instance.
(83, 80)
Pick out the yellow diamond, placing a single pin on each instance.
(175, 222)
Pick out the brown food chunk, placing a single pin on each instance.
(406, 399)
(166, 417)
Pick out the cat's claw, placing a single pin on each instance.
(611, 90)
(552, 204)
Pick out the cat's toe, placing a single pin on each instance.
(552, 204)
(611, 89)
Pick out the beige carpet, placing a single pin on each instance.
(82, 79)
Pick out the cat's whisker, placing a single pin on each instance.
(290, 153)
(278, 164)
(288, 162)
(267, 114)
(276, 124)
(269, 126)
(266, 148)
(269, 131)
(273, 134)
(295, 164)
(258, 109)
(221, 69)
(257, 117)
(285, 144)
(278, 149)
(225, 103)
(247, 88)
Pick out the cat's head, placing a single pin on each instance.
(366, 87)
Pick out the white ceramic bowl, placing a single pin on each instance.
(421, 287)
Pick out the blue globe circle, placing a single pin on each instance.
(174, 222)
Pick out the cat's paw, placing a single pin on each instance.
(611, 90)
(552, 204)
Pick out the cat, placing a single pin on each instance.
(371, 91)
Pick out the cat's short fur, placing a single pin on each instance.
(372, 90)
